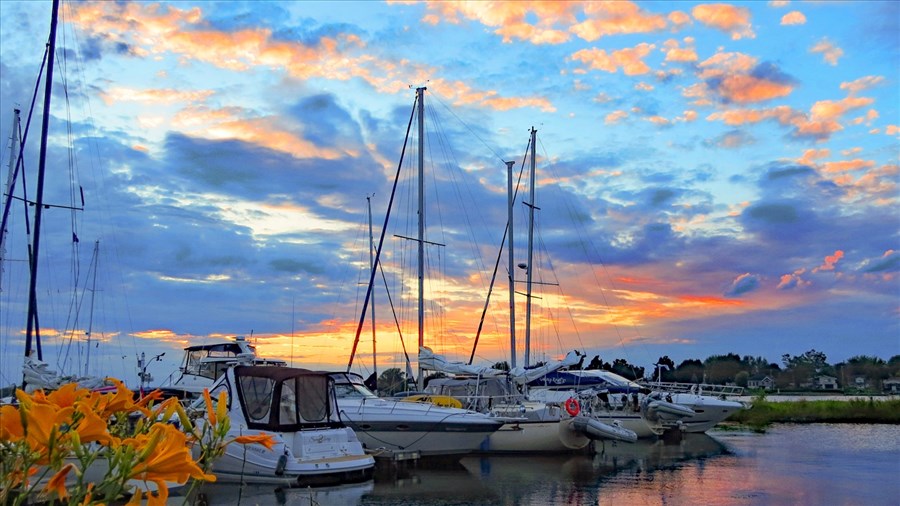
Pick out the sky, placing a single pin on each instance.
(711, 178)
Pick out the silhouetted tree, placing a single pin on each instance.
(664, 369)
(595, 364)
(689, 371)
(391, 381)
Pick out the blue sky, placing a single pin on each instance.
(712, 178)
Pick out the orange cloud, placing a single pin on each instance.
(615, 18)
(733, 76)
(830, 262)
(232, 123)
(675, 53)
(615, 117)
(820, 123)
(847, 165)
(861, 84)
(725, 17)
(830, 52)
(630, 60)
(679, 19)
(151, 29)
(793, 18)
(510, 19)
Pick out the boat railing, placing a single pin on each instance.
(696, 388)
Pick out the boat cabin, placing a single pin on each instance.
(281, 399)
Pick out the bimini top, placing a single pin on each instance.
(285, 399)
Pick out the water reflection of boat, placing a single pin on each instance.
(214, 494)
(651, 455)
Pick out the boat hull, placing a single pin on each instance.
(708, 411)
(536, 436)
(314, 457)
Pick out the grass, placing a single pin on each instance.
(763, 412)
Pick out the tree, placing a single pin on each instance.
(664, 369)
(596, 364)
(391, 381)
(689, 371)
(721, 369)
(740, 379)
(621, 367)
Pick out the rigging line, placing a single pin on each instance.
(20, 159)
(499, 257)
(394, 312)
(463, 123)
(381, 239)
(584, 243)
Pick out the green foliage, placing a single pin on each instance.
(764, 412)
(391, 381)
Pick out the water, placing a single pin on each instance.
(817, 464)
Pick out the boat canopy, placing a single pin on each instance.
(602, 380)
(284, 399)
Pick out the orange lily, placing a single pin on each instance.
(11, 428)
(210, 412)
(262, 439)
(122, 400)
(57, 483)
(168, 459)
(42, 422)
(91, 427)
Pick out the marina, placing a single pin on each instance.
(788, 465)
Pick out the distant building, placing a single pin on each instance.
(891, 386)
(825, 382)
(761, 381)
(861, 382)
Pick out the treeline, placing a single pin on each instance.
(795, 372)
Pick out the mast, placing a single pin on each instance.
(95, 262)
(372, 267)
(529, 267)
(512, 265)
(32, 326)
(10, 178)
(420, 92)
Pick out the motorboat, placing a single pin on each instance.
(394, 427)
(203, 364)
(710, 403)
(298, 408)
(610, 398)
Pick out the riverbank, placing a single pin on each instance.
(872, 410)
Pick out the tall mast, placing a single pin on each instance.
(95, 262)
(530, 267)
(32, 326)
(420, 92)
(512, 265)
(10, 178)
(372, 267)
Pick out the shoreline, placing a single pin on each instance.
(762, 411)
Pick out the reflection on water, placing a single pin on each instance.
(790, 464)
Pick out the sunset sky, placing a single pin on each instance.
(712, 177)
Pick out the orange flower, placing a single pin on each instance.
(42, 422)
(122, 400)
(57, 484)
(91, 427)
(210, 412)
(261, 439)
(11, 428)
(168, 458)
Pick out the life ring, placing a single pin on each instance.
(572, 407)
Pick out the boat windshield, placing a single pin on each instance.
(353, 391)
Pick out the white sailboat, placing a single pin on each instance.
(543, 426)
(393, 427)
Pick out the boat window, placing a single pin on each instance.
(257, 396)
(312, 395)
(208, 370)
(287, 407)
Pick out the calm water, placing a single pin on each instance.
(790, 464)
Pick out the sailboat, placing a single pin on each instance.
(395, 428)
(543, 426)
(36, 373)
